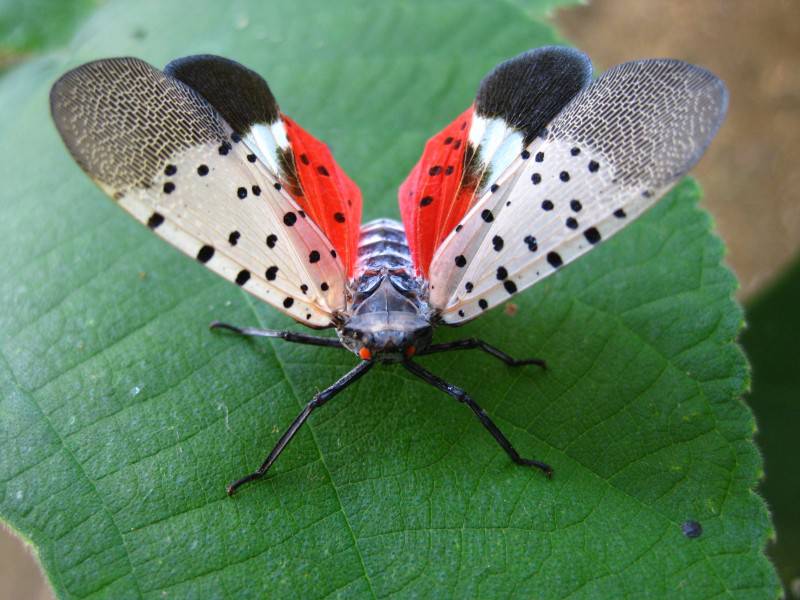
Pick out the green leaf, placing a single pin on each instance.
(122, 417)
(771, 343)
(28, 26)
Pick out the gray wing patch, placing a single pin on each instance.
(122, 120)
(650, 120)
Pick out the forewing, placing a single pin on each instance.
(514, 102)
(168, 157)
(303, 164)
(609, 155)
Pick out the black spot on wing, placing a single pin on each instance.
(555, 260)
(205, 253)
(155, 220)
(240, 95)
(592, 235)
(528, 90)
(242, 277)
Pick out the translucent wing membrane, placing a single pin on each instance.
(613, 151)
(514, 103)
(199, 154)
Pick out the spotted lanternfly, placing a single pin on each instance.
(544, 165)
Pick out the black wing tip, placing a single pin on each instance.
(530, 89)
(567, 55)
(179, 65)
(238, 93)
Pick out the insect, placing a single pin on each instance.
(544, 165)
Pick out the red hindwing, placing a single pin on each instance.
(436, 194)
(327, 195)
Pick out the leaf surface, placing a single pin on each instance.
(122, 417)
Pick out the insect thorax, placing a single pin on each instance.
(388, 312)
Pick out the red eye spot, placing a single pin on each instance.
(364, 353)
(410, 351)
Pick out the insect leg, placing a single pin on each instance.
(289, 336)
(462, 396)
(470, 343)
(318, 400)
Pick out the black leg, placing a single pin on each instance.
(470, 343)
(318, 400)
(289, 336)
(462, 396)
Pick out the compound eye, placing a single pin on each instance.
(365, 353)
(410, 351)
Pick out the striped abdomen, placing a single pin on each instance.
(382, 244)
(383, 250)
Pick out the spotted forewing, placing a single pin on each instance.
(545, 191)
(233, 195)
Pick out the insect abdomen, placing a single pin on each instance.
(382, 246)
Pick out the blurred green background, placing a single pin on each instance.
(749, 175)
